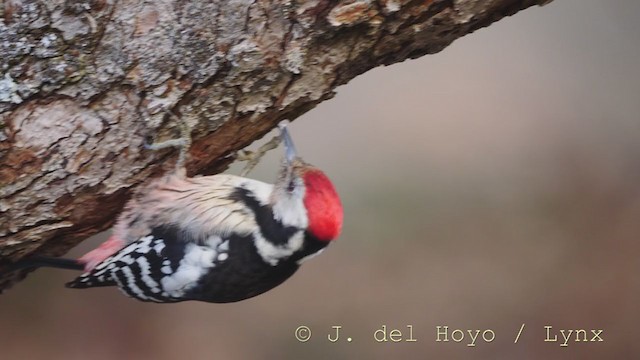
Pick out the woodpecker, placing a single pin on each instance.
(219, 239)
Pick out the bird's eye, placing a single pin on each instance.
(291, 186)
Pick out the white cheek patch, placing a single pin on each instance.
(290, 210)
(271, 253)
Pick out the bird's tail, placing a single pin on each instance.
(34, 262)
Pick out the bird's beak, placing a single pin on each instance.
(289, 148)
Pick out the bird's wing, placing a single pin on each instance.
(197, 207)
(158, 267)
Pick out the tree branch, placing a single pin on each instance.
(85, 82)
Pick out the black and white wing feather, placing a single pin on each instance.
(157, 267)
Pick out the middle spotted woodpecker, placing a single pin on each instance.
(220, 238)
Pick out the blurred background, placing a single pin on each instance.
(493, 184)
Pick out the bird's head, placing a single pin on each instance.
(305, 197)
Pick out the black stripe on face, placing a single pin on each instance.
(273, 230)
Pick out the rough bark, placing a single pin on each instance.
(83, 83)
